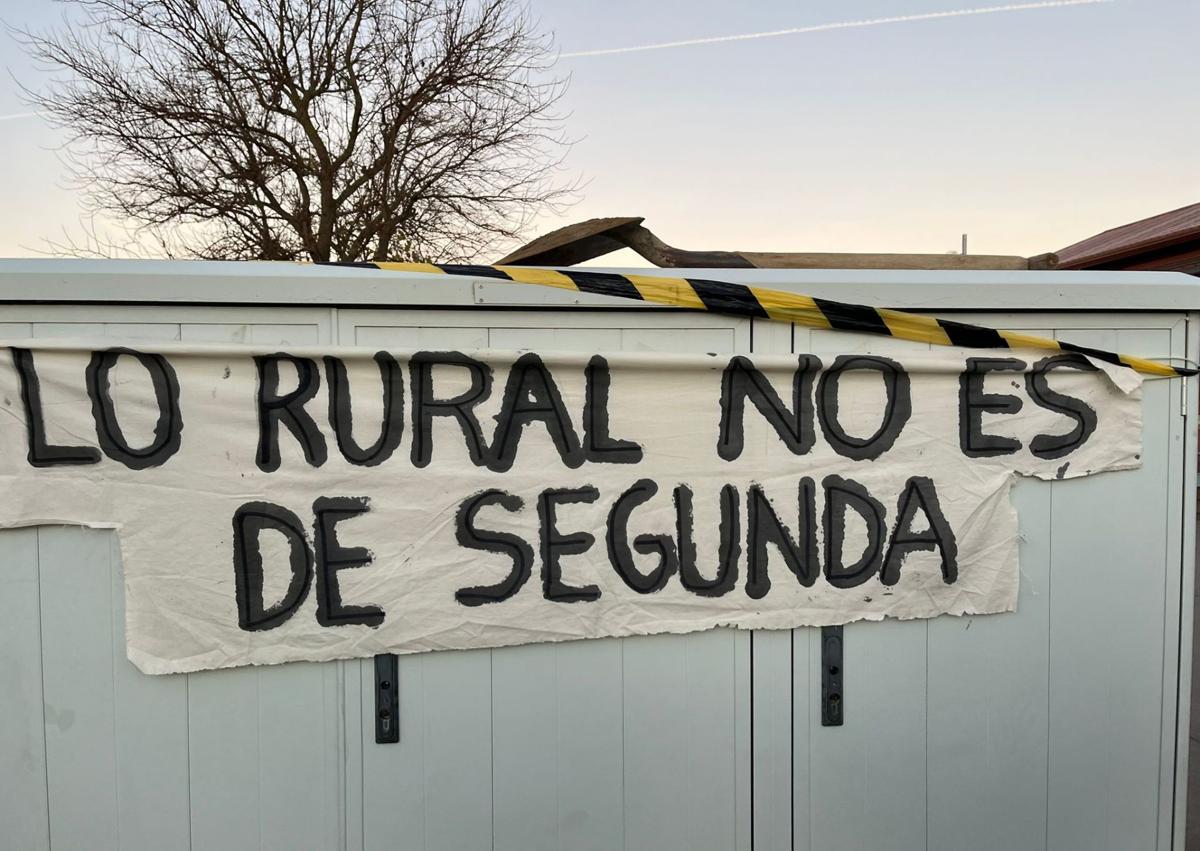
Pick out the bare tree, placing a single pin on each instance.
(309, 129)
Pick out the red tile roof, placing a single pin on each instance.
(1161, 231)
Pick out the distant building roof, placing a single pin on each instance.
(1168, 241)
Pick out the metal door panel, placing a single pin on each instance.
(635, 743)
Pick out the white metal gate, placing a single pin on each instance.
(1054, 728)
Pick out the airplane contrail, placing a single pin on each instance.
(840, 25)
(16, 115)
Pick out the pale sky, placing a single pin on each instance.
(1027, 129)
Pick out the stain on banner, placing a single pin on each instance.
(336, 503)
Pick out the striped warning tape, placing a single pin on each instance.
(761, 303)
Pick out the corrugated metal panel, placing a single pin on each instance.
(1180, 258)
(1134, 238)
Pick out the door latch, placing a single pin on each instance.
(832, 702)
(387, 699)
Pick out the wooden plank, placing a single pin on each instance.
(593, 238)
(1106, 642)
(78, 682)
(574, 243)
(846, 260)
(24, 809)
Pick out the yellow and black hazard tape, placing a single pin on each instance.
(762, 303)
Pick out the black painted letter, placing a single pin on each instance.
(763, 527)
(489, 541)
(248, 525)
(730, 544)
(41, 452)
(896, 411)
(598, 446)
(619, 553)
(973, 402)
(840, 496)
(168, 428)
(332, 557)
(426, 406)
(741, 381)
(554, 544)
(919, 492)
(1057, 445)
(531, 394)
(288, 409)
(341, 411)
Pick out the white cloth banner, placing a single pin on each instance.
(315, 505)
